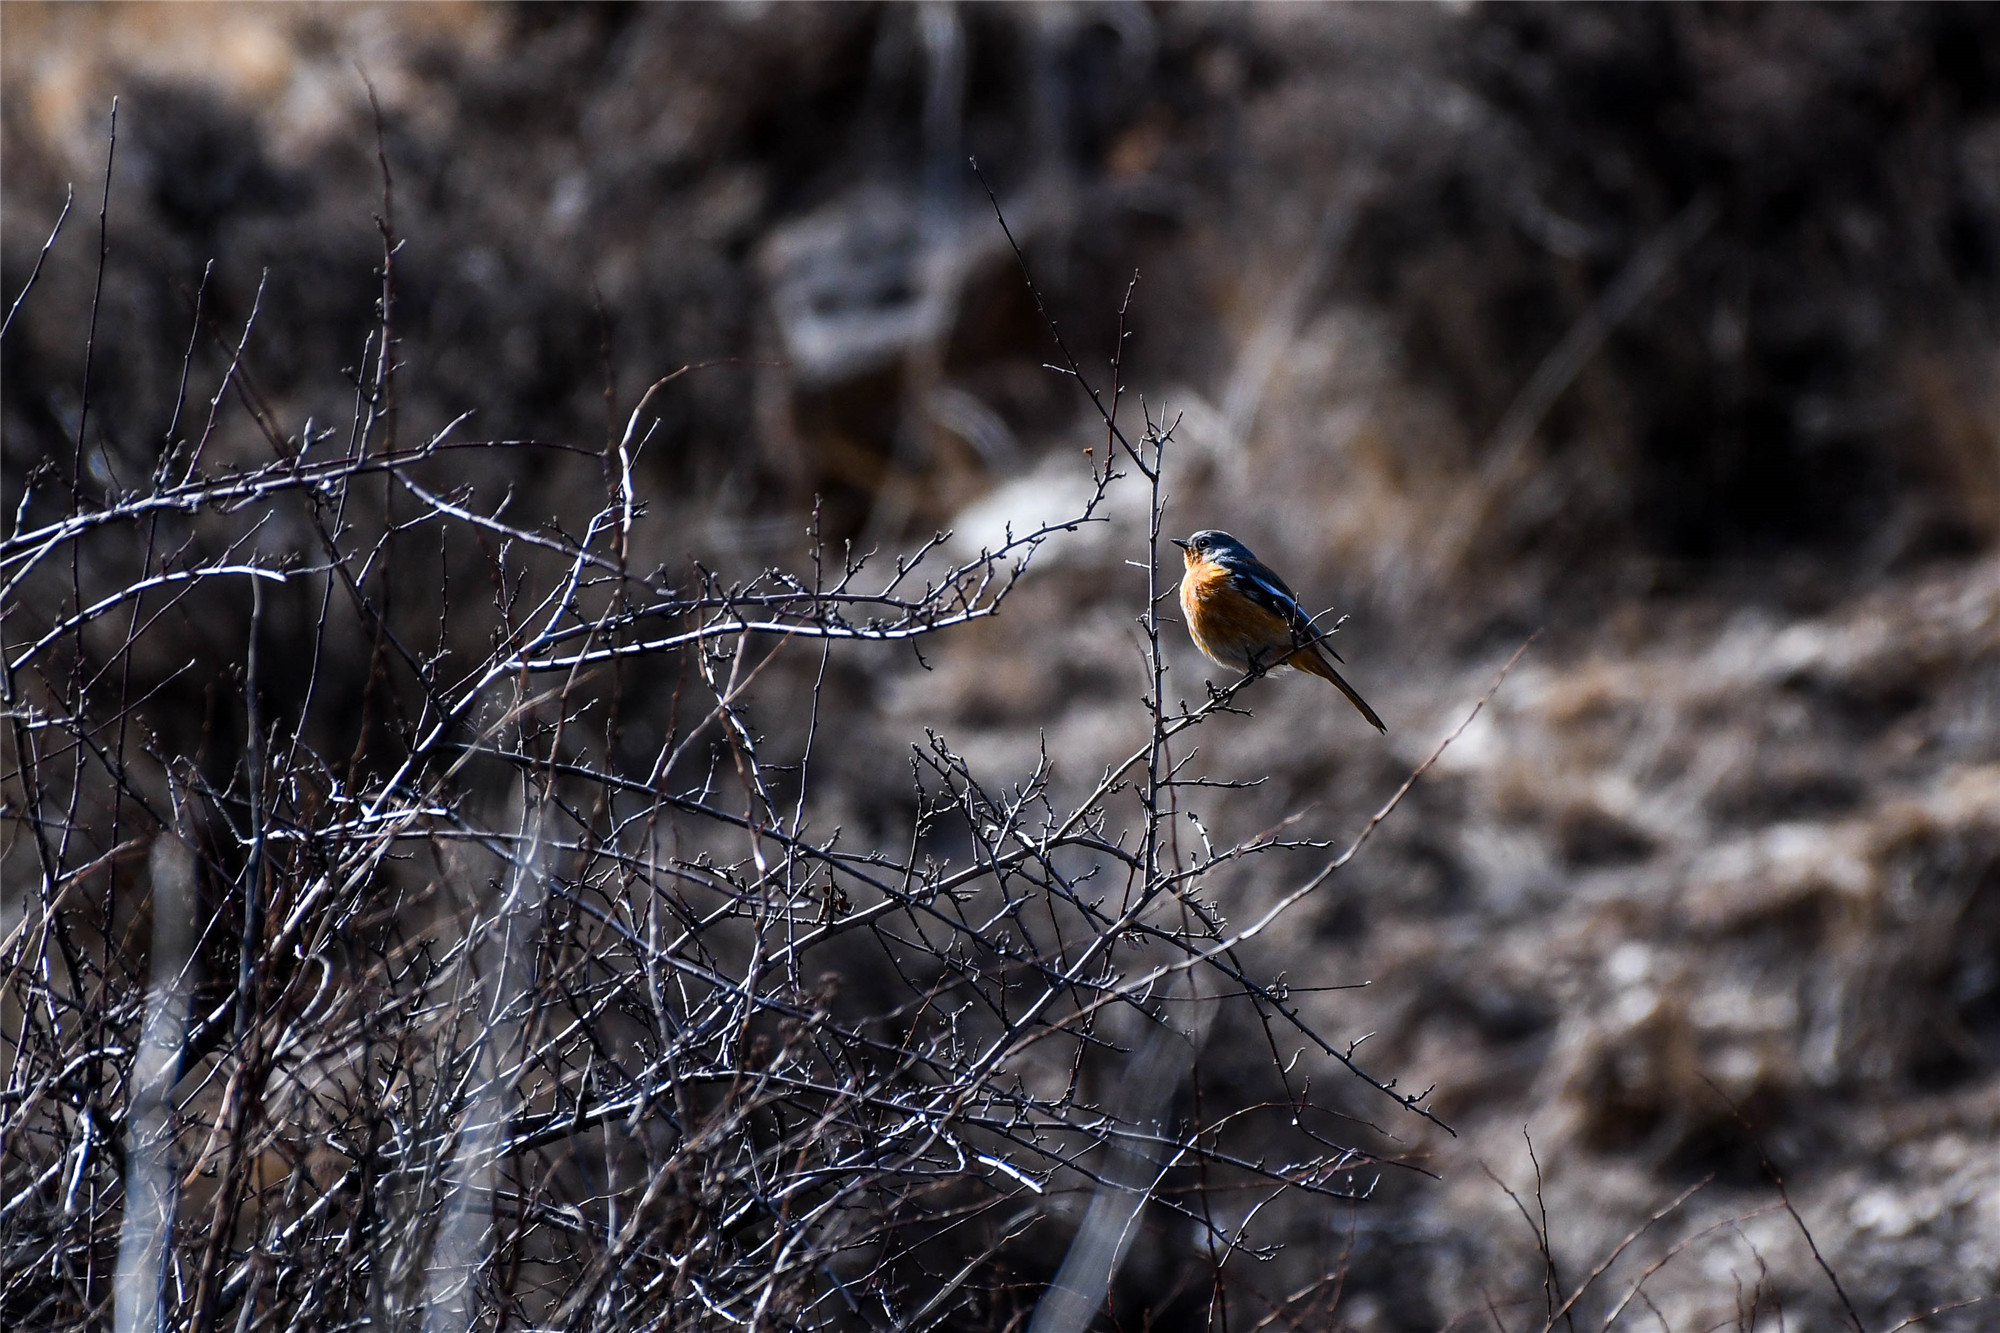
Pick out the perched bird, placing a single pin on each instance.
(1241, 614)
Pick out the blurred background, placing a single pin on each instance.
(1673, 332)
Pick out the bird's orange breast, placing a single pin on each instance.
(1227, 626)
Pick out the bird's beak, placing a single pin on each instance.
(1178, 542)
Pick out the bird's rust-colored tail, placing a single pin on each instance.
(1308, 659)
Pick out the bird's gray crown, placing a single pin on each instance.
(1214, 544)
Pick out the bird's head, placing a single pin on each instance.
(1212, 544)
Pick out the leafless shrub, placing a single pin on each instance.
(436, 1011)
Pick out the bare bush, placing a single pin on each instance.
(412, 1000)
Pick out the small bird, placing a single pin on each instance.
(1241, 614)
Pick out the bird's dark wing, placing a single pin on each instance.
(1261, 584)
